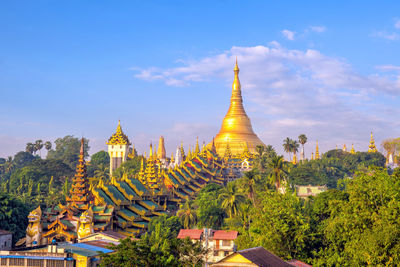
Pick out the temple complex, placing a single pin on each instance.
(236, 132)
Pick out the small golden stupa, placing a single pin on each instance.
(236, 130)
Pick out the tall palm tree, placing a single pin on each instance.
(39, 146)
(287, 147)
(249, 180)
(187, 214)
(278, 171)
(48, 146)
(260, 157)
(294, 147)
(30, 148)
(231, 199)
(302, 141)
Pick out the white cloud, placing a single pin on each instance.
(397, 24)
(393, 36)
(288, 34)
(288, 92)
(318, 29)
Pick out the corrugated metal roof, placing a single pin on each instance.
(92, 248)
(225, 235)
(191, 233)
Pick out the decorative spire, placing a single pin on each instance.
(172, 157)
(197, 149)
(161, 154)
(79, 193)
(151, 152)
(372, 146)
(182, 151)
(352, 151)
(344, 148)
(228, 153)
(213, 149)
(317, 151)
(294, 159)
(312, 155)
(118, 138)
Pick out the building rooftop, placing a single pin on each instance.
(262, 257)
(225, 235)
(191, 233)
(5, 232)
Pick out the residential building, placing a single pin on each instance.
(5, 240)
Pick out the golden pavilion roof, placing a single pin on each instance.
(118, 138)
(236, 127)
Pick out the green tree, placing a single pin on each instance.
(231, 199)
(302, 141)
(287, 147)
(38, 146)
(30, 148)
(47, 146)
(187, 214)
(249, 183)
(67, 150)
(13, 215)
(278, 171)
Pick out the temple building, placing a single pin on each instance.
(236, 131)
(118, 148)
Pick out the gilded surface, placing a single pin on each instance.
(236, 127)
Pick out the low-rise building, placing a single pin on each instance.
(220, 243)
(305, 191)
(5, 240)
(57, 255)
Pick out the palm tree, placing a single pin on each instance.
(302, 141)
(249, 180)
(187, 214)
(48, 146)
(30, 148)
(231, 199)
(287, 147)
(294, 147)
(278, 171)
(9, 164)
(39, 146)
(260, 153)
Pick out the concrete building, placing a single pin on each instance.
(220, 243)
(5, 240)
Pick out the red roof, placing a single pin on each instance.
(191, 233)
(4, 232)
(225, 235)
(298, 263)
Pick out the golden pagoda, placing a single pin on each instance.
(236, 127)
(161, 154)
(317, 151)
(352, 151)
(372, 146)
(79, 193)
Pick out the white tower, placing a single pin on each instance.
(118, 148)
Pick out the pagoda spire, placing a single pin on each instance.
(161, 154)
(352, 151)
(151, 152)
(344, 148)
(182, 151)
(213, 149)
(236, 124)
(317, 151)
(372, 146)
(197, 148)
(80, 193)
(312, 155)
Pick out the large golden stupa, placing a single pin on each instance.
(236, 131)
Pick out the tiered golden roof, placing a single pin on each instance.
(236, 127)
(317, 151)
(118, 138)
(161, 154)
(372, 146)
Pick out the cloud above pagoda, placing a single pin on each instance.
(289, 92)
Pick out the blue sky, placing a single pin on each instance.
(329, 70)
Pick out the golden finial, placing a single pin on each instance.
(172, 157)
(317, 151)
(197, 149)
(312, 155)
(344, 148)
(352, 151)
(151, 151)
(372, 146)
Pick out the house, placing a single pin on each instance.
(220, 243)
(252, 257)
(5, 240)
(305, 191)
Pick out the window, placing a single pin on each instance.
(215, 252)
(226, 253)
(226, 243)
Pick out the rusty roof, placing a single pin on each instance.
(191, 233)
(225, 235)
